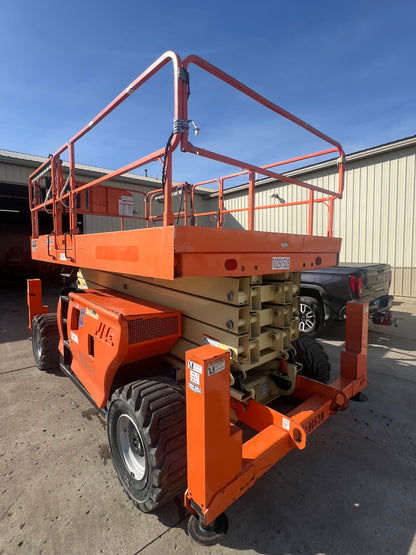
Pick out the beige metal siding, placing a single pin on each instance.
(14, 174)
(99, 224)
(376, 217)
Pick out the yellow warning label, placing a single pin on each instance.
(92, 313)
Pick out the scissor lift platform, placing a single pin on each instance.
(254, 341)
(179, 251)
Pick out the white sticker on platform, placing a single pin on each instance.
(62, 256)
(194, 366)
(74, 337)
(215, 367)
(285, 424)
(280, 262)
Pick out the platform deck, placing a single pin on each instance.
(178, 251)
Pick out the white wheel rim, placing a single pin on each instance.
(37, 340)
(307, 318)
(131, 446)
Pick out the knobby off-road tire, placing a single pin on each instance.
(45, 340)
(312, 315)
(146, 426)
(313, 358)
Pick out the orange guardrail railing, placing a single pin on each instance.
(48, 191)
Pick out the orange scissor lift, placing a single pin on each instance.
(211, 309)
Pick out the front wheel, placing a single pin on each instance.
(312, 316)
(312, 356)
(45, 340)
(146, 426)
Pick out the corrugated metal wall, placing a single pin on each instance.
(15, 174)
(99, 224)
(375, 218)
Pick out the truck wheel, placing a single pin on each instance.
(313, 358)
(45, 340)
(312, 316)
(146, 426)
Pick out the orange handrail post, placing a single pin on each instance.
(72, 185)
(167, 213)
(251, 200)
(330, 216)
(310, 214)
(221, 203)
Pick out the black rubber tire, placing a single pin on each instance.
(45, 341)
(146, 427)
(312, 356)
(209, 535)
(312, 315)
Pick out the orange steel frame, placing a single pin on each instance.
(68, 247)
(220, 466)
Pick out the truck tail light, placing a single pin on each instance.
(356, 284)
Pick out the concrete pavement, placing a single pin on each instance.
(351, 491)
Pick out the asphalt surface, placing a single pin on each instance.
(351, 491)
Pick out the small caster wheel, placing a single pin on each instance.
(360, 397)
(208, 535)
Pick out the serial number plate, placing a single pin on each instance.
(313, 422)
(281, 263)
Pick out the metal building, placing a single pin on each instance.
(375, 218)
(15, 228)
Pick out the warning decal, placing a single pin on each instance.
(194, 366)
(194, 376)
(195, 388)
(91, 312)
(215, 367)
(125, 205)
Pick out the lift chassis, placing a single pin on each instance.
(186, 336)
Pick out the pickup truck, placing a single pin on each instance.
(325, 292)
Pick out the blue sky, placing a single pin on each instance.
(346, 68)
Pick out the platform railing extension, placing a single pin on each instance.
(62, 193)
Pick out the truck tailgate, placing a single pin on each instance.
(376, 280)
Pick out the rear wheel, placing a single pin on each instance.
(314, 360)
(208, 535)
(45, 340)
(146, 426)
(312, 316)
